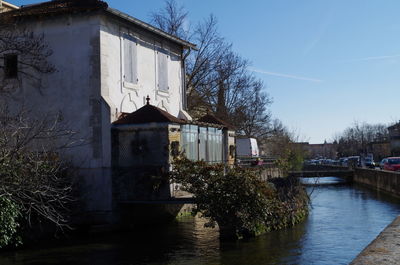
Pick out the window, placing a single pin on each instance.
(214, 145)
(130, 59)
(202, 143)
(162, 69)
(190, 145)
(11, 66)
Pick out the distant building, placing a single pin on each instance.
(379, 149)
(394, 137)
(304, 146)
(325, 150)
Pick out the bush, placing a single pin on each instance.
(238, 200)
(9, 214)
(34, 182)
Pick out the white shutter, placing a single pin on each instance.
(130, 59)
(162, 66)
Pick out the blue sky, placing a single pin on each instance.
(326, 64)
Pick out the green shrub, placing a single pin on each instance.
(238, 200)
(9, 215)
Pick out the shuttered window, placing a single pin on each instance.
(130, 59)
(162, 69)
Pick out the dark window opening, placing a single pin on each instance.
(232, 150)
(175, 148)
(11, 66)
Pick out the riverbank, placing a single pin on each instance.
(382, 180)
(384, 249)
(335, 231)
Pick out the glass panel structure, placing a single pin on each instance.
(202, 143)
(190, 136)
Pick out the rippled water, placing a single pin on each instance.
(343, 220)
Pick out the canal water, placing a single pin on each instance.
(344, 219)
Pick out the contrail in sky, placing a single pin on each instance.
(375, 58)
(286, 75)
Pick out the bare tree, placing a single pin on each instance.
(171, 19)
(33, 173)
(217, 78)
(254, 118)
(354, 140)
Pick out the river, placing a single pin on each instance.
(344, 218)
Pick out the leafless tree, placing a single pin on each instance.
(354, 140)
(218, 79)
(33, 173)
(171, 19)
(254, 118)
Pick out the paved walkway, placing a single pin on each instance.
(385, 249)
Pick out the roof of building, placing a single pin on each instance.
(209, 118)
(9, 5)
(147, 114)
(58, 7)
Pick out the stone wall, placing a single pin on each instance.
(380, 179)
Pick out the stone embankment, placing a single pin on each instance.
(381, 180)
(385, 249)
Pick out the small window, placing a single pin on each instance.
(175, 148)
(11, 66)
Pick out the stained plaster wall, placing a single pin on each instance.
(88, 91)
(74, 92)
(141, 156)
(123, 97)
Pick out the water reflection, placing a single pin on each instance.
(343, 220)
(323, 181)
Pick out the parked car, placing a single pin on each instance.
(382, 163)
(343, 161)
(390, 163)
(354, 161)
(368, 162)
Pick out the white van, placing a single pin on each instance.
(247, 147)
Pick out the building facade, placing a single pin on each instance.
(394, 137)
(107, 63)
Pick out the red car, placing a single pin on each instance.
(391, 163)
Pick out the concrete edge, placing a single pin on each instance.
(384, 249)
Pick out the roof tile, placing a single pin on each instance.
(148, 114)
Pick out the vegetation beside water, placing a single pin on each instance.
(35, 188)
(238, 200)
(9, 223)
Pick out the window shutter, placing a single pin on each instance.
(162, 65)
(130, 59)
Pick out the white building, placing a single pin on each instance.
(5, 6)
(107, 63)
